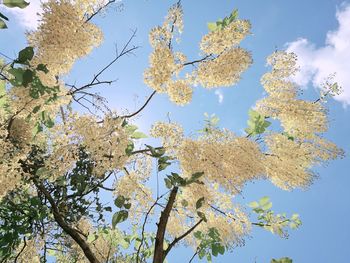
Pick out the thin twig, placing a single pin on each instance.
(143, 106)
(22, 249)
(177, 239)
(99, 10)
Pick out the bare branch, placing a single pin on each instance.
(99, 10)
(143, 106)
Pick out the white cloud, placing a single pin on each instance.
(220, 95)
(317, 64)
(27, 17)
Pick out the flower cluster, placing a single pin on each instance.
(224, 70)
(224, 158)
(132, 186)
(216, 42)
(63, 36)
(171, 135)
(293, 153)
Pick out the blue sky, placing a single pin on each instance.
(302, 26)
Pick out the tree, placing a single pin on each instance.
(57, 164)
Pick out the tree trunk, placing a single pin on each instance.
(159, 254)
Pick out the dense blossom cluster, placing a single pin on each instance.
(224, 158)
(171, 135)
(223, 71)
(292, 155)
(289, 163)
(63, 35)
(218, 41)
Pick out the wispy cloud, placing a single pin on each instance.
(220, 95)
(27, 17)
(317, 64)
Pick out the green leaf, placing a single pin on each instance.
(42, 67)
(127, 205)
(18, 74)
(282, 260)
(202, 216)
(41, 171)
(119, 201)
(15, 3)
(27, 77)
(264, 200)
(256, 123)
(234, 15)
(25, 55)
(138, 135)
(253, 204)
(199, 202)
(168, 183)
(129, 148)
(212, 26)
(221, 250)
(267, 206)
(36, 108)
(3, 100)
(163, 163)
(37, 128)
(184, 203)
(198, 234)
(119, 217)
(2, 24)
(49, 123)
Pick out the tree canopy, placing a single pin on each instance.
(58, 165)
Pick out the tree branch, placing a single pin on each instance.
(177, 239)
(21, 251)
(143, 106)
(99, 10)
(66, 228)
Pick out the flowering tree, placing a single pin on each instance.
(56, 163)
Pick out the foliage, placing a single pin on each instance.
(275, 223)
(256, 123)
(282, 260)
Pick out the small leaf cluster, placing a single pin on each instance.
(282, 260)
(222, 23)
(121, 215)
(21, 214)
(199, 204)
(175, 180)
(26, 76)
(257, 123)
(210, 244)
(275, 223)
(163, 160)
(211, 123)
